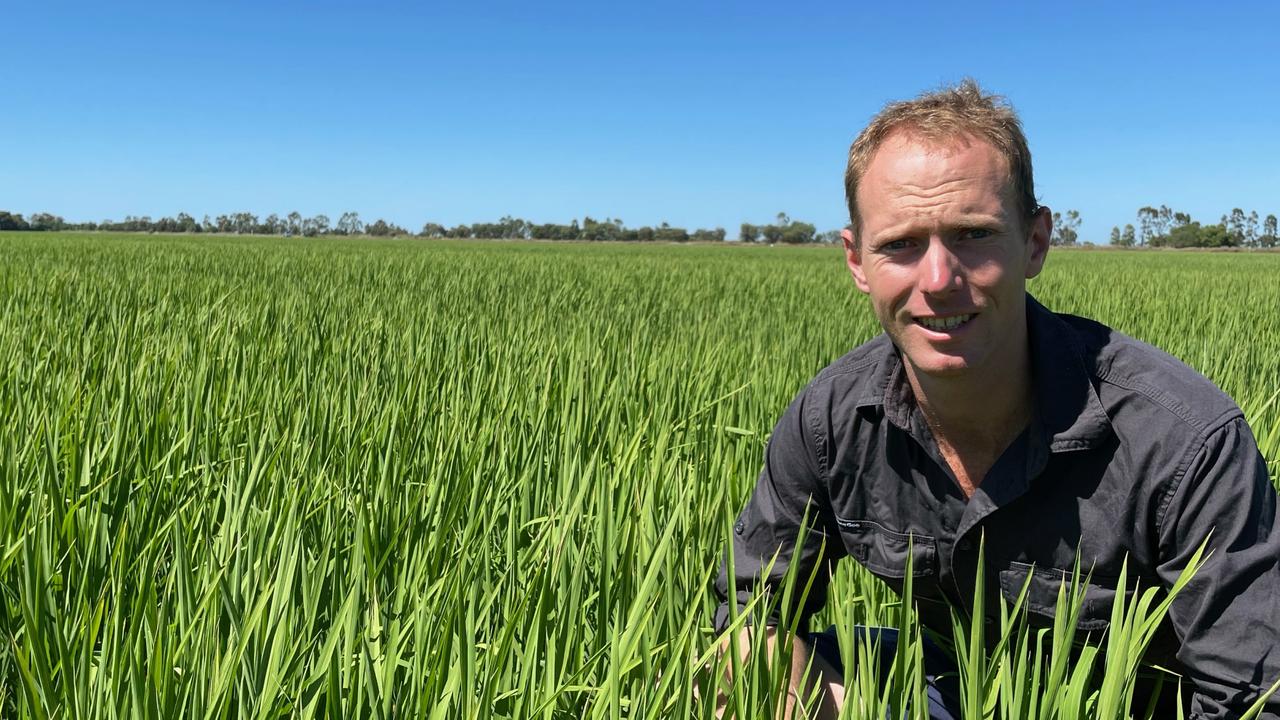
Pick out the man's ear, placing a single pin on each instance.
(1038, 234)
(853, 258)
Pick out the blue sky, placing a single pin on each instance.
(700, 115)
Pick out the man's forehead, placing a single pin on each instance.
(914, 179)
(912, 164)
(911, 150)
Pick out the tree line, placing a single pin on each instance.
(782, 230)
(241, 223)
(1166, 227)
(1156, 227)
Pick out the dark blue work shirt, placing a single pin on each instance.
(1130, 453)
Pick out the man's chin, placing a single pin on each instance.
(941, 366)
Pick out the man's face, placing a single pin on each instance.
(944, 255)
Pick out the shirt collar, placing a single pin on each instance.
(1070, 415)
(1067, 403)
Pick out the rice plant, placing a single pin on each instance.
(313, 478)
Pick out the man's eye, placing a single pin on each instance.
(976, 233)
(895, 245)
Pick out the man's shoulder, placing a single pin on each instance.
(1127, 370)
(856, 378)
(863, 364)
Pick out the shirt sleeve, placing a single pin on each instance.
(791, 483)
(1228, 617)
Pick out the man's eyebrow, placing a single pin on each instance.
(981, 219)
(911, 227)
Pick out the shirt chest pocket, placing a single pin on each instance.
(888, 554)
(1042, 595)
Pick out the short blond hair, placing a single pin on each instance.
(949, 112)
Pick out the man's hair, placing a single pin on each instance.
(947, 113)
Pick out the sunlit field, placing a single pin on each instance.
(411, 478)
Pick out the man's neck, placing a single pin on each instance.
(958, 406)
(975, 416)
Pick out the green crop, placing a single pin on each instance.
(311, 478)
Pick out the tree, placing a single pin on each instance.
(552, 231)
(1147, 218)
(45, 221)
(349, 224)
(702, 235)
(318, 225)
(796, 233)
(513, 228)
(1164, 220)
(1115, 235)
(601, 231)
(1268, 238)
(666, 233)
(1214, 236)
(12, 222)
(1236, 226)
(382, 228)
(1185, 236)
(748, 233)
(1251, 229)
(1126, 237)
(244, 222)
(1193, 235)
(1065, 228)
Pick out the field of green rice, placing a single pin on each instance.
(383, 479)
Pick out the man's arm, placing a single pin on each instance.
(1228, 617)
(768, 543)
(811, 677)
(790, 496)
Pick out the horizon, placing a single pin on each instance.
(661, 113)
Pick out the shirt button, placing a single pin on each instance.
(739, 527)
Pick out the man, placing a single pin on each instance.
(980, 414)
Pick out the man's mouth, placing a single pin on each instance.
(945, 323)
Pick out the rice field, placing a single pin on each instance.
(389, 479)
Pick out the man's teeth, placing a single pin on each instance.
(944, 323)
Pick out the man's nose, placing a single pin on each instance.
(941, 271)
